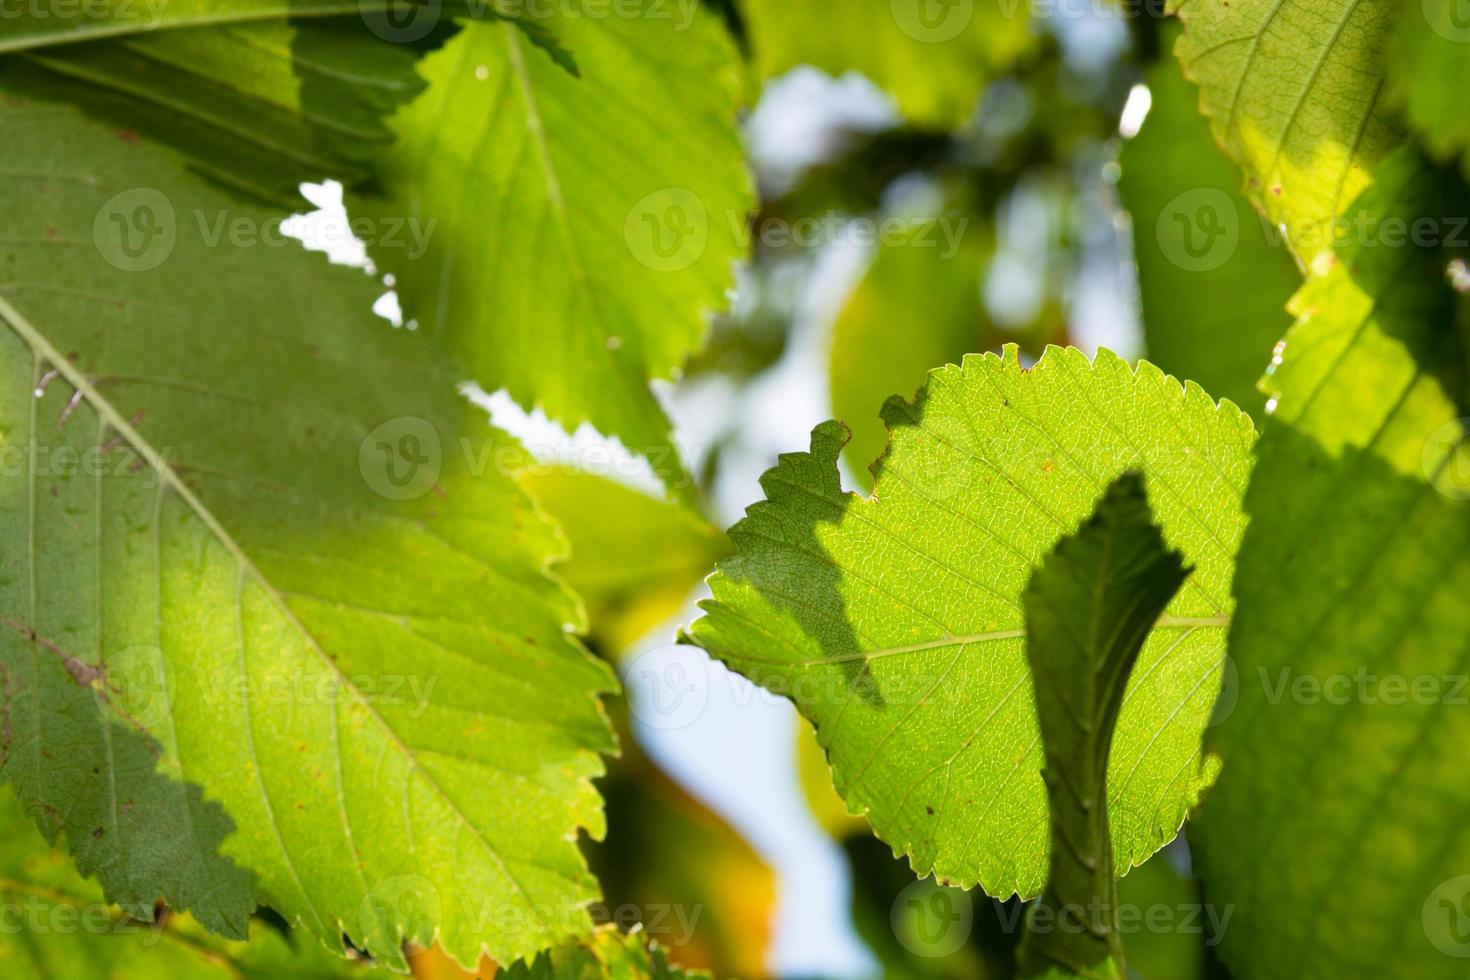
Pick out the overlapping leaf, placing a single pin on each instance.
(1294, 91)
(1213, 284)
(59, 925)
(895, 623)
(1089, 609)
(260, 106)
(1337, 830)
(219, 466)
(584, 227)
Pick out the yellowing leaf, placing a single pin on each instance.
(1294, 92)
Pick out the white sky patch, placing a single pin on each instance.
(328, 229)
(803, 117)
(551, 445)
(1135, 111)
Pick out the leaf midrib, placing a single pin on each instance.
(47, 352)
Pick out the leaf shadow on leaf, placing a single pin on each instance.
(1371, 558)
(804, 582)
(127, 822)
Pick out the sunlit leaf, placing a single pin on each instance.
(895, 623)
(221, 571)
(583, 228)
(1336, 832)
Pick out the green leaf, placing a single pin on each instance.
(50, 23)
(254, 461)
(1337, 829)
(1294, 92)
(895, 623)
(1213, 283)
(1090, 607)
(933, 289)
(582, 228)
(608, 955)
(634, 560)
(56, 22)
(260, 106)
(1428, 59)
(933, 59)
(59, 925)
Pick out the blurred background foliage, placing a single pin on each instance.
(1026, 167)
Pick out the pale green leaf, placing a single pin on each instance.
(1213, 279)
(934, 59)
(582, 228)
(895, 623)
(1090, 607)
(1337, 830)
(404, 755)
(1294, 92)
